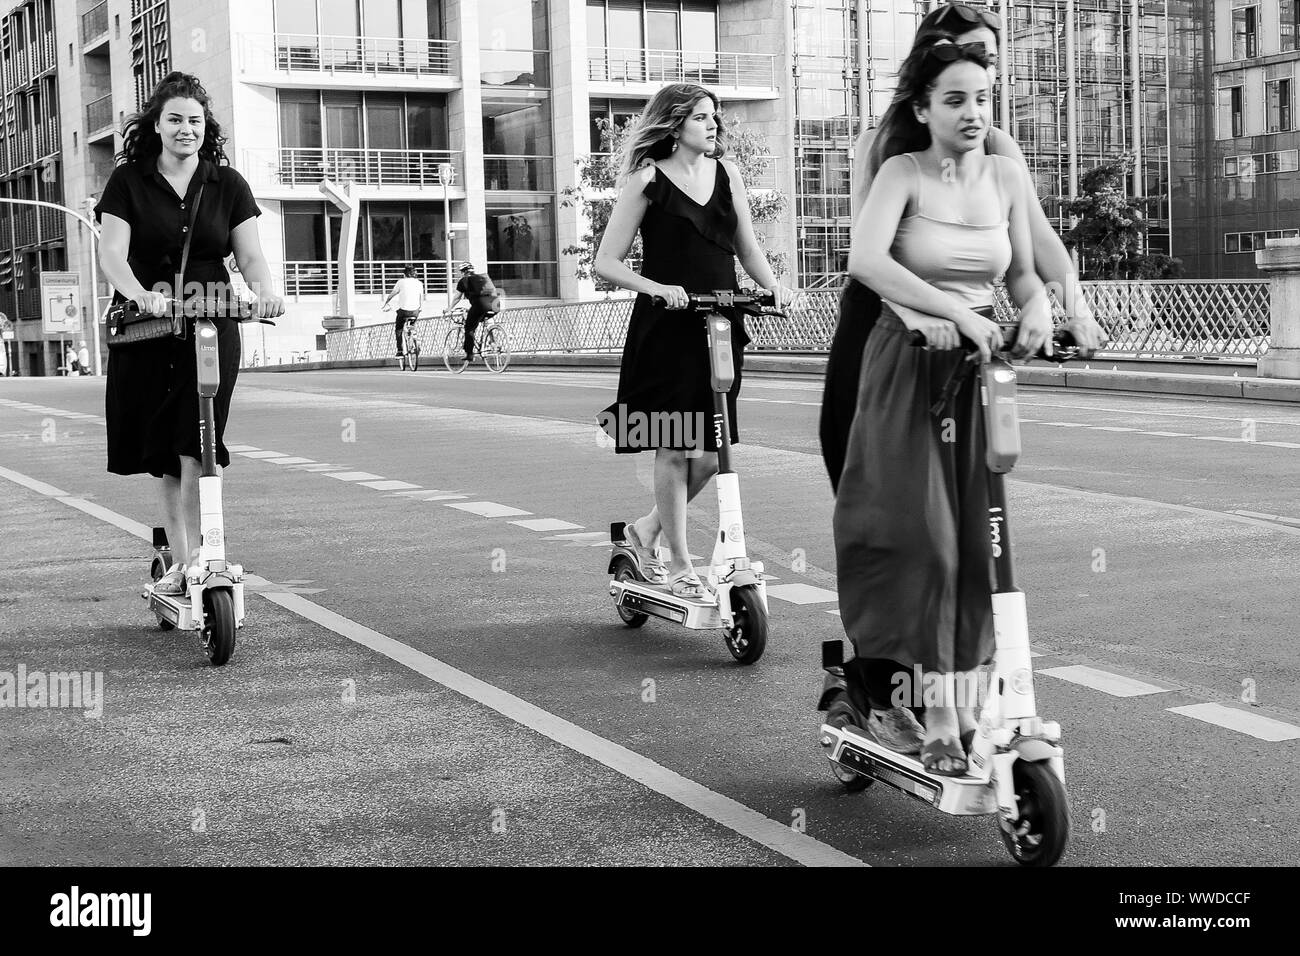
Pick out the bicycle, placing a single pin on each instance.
(409, 360)
(493, 343)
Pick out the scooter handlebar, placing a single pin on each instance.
(207, 308)
(707, 302)
(1064, 347)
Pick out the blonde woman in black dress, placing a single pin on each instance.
(692, 210)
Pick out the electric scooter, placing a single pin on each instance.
(213, 604)
(737, 602)
(1016, 766)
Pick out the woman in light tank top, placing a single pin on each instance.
(940, 225)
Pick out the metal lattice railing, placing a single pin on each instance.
(1167, 318)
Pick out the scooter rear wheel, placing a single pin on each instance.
(1039, 835)
(218, 625)
(748, 636)
(625, 570)
(840, 714)
(156, 571)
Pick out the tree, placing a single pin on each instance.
(1111, 225)
(597, 190)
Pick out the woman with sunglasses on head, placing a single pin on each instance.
(911, 538)
(960, 24)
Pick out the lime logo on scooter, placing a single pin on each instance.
(995, 531)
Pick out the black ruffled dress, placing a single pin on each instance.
(665, 366)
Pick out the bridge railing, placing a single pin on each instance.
(1155, 319)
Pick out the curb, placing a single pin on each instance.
(1199, 385)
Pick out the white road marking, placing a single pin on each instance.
(1221, 438)
(1242, 721)
(292, 461)
(263, 454)
(721, 809)
(801, 594)
(1277, 444)
(237, 449)
(353, 476)
(1116, 685)
(1113, 428)
(388, 485)
(1256, 514)
(1170, 434)
(319, 467)
(546, 524)
(714, 806)
(489, 509)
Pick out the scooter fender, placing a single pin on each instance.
(1035, 751)
(741, 578)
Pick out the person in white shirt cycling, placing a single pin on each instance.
(409, 292)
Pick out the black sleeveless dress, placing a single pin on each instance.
(664, 374)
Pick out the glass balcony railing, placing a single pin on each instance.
(307, 166)
(349, 55)
(369, 277)
(99, 113)
(94, 22)
(530, 173)
(627, 65)
(526, 68)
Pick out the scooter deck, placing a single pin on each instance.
(173, 608)
(658, 600)
(960, 796)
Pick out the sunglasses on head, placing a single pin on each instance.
(971, 15)
(945, 51)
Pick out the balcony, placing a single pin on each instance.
(309, 61)
(99, 119)
(394, 170)
(94, 28)
(619, 71)
(369, 277)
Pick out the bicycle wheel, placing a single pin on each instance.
(453, 355)
(411, 345)
(496, 349)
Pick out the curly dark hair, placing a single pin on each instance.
(141, 142)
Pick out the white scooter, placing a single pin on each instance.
(1016, 764)
(213, 604)
(737, 598)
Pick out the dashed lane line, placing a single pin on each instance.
(1242, 721)
(723, 810)
(1116, 685)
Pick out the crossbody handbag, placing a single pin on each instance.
(127, 326)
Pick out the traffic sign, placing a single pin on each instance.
(60, 303)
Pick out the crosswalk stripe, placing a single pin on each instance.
(1242, 721)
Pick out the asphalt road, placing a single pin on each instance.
(1158, 541)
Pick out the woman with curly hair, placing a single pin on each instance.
(173, 179)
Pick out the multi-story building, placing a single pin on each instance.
(383, 97)
(1241, 185)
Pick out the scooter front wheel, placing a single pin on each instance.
(748, 635)
(625, 571)
(1039, 834)
(841, 714)
(218, 625)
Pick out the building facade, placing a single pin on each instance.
(454, 128)
(1241, 186)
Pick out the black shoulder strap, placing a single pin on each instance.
(185, 250)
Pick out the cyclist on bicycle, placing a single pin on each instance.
(483, 298)
(409, 292)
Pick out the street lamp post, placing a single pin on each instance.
(94, 265)
(446, 178)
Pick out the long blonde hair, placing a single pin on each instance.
(651, 138)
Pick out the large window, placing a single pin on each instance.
(1245, 29)
(1289, 24)
(1277, 96)
(618, 112)
(518, 153)
(346, 120)
(521, 246)
(387, 232)
(513, 35)
(645, 39)
(413, 19)
(1230, 111)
